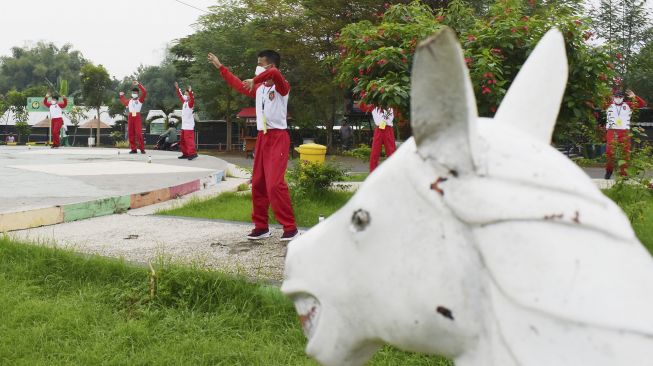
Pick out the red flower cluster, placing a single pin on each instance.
(471, 38)
(439, 18)
(468, 61)
(381, 62)
(486, 90)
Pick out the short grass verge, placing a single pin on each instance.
(637, 203)
(238, 207)
(59, 308)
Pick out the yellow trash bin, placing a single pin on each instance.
(314, 153)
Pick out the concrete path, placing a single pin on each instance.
(138, 236)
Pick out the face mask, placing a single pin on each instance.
(134, 95)
(618, 100)
(54, 101)
(259, 70)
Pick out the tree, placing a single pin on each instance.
(76, 115)
(95, 82)
(43, 64)
(624, 25)
(376, 59)
(641, 71)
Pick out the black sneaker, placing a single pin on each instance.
(142, 151)
(258, 234)
(194, 156)
(182, 157)
(608, 175)
(289, 235)
(133, 152)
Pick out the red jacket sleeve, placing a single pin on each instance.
(124, 100)
(180, 95)
(64, 104)
(143, 93)
(281, 84)
(233, 81)
(640, 103)
(366, 107)
(46, 103)
(191, 99)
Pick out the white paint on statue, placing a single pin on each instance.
(491, 248)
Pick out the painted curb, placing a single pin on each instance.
(29, 219)
(101, 207)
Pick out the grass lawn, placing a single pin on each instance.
(238, 207)
(59, 308)
(637, 203)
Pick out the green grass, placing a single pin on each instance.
(238, 207)
(356, 177)
(637, 203)
(59, 308)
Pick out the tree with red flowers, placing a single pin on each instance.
(375, 60)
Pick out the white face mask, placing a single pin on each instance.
(134, 95)
(54, 101)
(259, 70)
(618, 100)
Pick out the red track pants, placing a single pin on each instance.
(385, 137)
(56, 129)
(135, 132)
(614, 137)
(269, 187)
(187, 142)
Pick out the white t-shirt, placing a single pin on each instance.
(383, 115)
(187, 119)
(134, 106)
(55, 111)
(271, 107)
(618, 117)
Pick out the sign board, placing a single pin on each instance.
(35, 104)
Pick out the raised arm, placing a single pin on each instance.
(124, 100)
(143, 93)
(235, 83)
(64, 103)
(179, 94)
(46, 103)
(281, 84)
(191, 98)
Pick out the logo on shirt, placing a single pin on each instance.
(271, 95)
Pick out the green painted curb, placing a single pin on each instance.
(101, 207)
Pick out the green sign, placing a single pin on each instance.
(35, 104)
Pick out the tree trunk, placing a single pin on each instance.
(228, 119)
(97, 140)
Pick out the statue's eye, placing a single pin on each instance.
(360, 220)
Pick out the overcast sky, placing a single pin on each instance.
(119, 34)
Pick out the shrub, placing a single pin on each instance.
(313, 179)
(361, 152)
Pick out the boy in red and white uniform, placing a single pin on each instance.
(187, 137)
(384, 134)
(618, 128)
(56, 116)
(269, 187)
(134, 120)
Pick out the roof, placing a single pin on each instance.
(248, 112)
(93, 123)
(37, 117)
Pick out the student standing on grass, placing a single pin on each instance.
(187, 138)
(269, 187)
(134, 121)
(56, 116)
(384, 133)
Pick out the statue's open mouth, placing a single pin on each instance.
(308, 308)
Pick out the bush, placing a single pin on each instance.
(313, 179)
(362, 152)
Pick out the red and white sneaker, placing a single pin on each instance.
(258, 234)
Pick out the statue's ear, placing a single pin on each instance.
(533, 100)
(443, 106)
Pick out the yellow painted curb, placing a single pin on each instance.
(31, 219)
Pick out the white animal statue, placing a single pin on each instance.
(477, 240)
